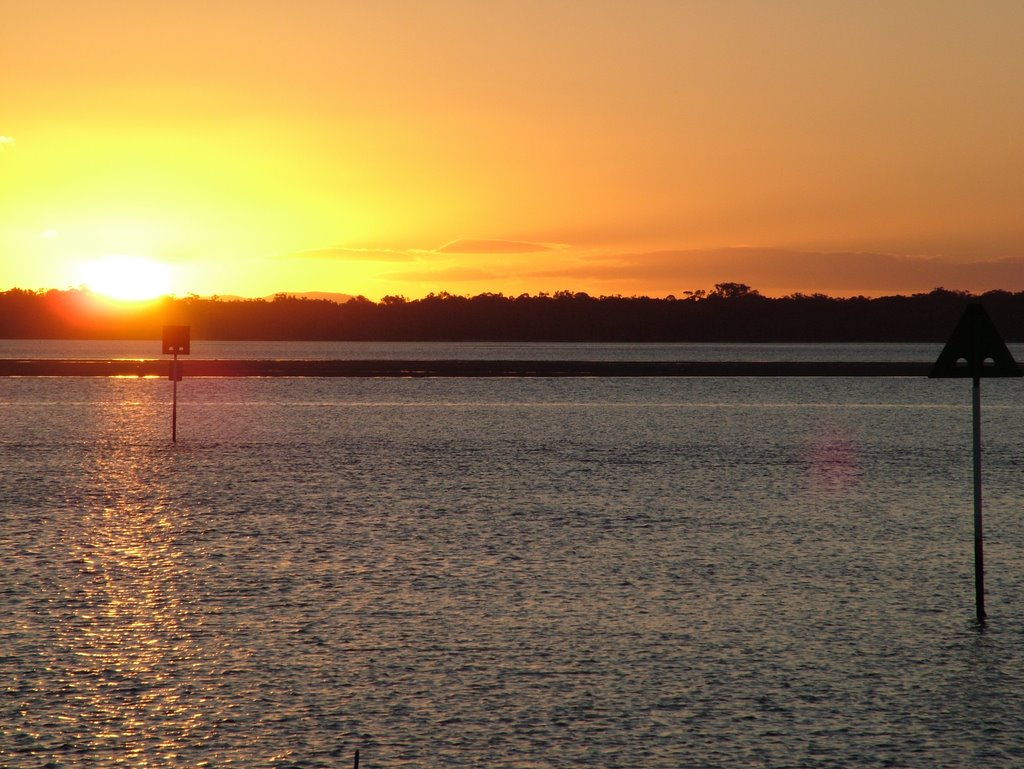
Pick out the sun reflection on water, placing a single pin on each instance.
(129, 643)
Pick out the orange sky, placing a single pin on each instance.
(400, 147)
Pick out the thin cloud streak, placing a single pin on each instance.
(454, 274)
(459, 246)
(483, 246)
(355, 254)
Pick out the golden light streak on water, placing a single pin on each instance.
(131, 637)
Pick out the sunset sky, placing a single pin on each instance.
(406, 147)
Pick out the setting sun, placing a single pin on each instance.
(608, 148)
(126, 278)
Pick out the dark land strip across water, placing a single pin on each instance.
(28, 367)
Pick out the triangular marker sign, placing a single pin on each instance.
(974, 349)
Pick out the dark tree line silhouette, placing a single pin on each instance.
(731, 312)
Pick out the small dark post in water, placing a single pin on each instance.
(175, 342)
(356, 765)
(979, 548)
(975, 349)
(174, 400)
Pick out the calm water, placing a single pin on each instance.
(508, 573)
(16, 348)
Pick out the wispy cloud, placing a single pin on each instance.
(458, 247)
(484, 246)
(455, 274)
(6, 141)
(354, 254)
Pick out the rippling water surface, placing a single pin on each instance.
(507, 573)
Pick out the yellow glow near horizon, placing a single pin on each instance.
(126, 278)
(263, 147)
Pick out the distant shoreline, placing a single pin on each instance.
(48, 367)
(732, 313)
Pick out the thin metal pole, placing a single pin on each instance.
(174, 400)
(979, 555)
